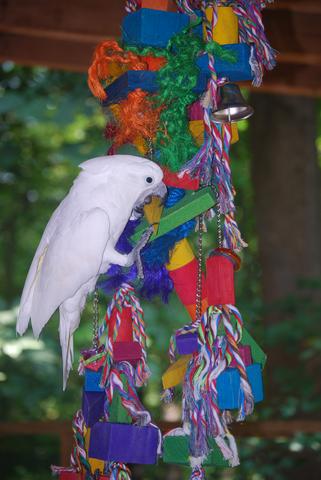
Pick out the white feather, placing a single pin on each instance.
(79, 241)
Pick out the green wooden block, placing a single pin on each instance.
(118, 414)
(258, 356)
(175, 450)
(193, 204)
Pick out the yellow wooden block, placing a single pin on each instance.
(175, 373)
(93, 462)
(141, 145)
(181, 255)
(226, 29)
(153, 212)
(235, 133)
(196, 128)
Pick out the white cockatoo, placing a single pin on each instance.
(79, 241)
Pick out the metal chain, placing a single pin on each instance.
(218, 219)
(150, 148)
(198, 309)
(95, 325)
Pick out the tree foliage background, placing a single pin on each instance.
(49, 124)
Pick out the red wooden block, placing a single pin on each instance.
(154, 63)
(172, 179)
(220, 268)
(127, 351)
(125, 332)
(184, 279)
(164, 5)
(245, 354)
(196, 111)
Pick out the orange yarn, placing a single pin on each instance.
(110, 61)
(137, 118)
(105, 55)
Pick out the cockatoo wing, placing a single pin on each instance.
(72, 257)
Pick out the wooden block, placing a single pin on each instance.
(238, 71)
(152, 28)
(153, 212)
(258, 356)
(163, 5)
(93, 462)
(172, 179)
(181, 255)
(192, 205)
(226, 29)
(196, 128)
(229, 394)
(144, 79)
(127, 351)
(117, 413)
(92, 381)
(176, 451)
(119, 442)
(93, 406)
(175, 373)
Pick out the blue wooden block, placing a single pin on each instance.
(144, 79)
(92, 381)
(236, 72)
(129, 81)
(93, 406)
(153, 28)
(228, 387)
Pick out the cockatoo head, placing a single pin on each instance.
(137, 179)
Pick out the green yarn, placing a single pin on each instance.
(174, 143)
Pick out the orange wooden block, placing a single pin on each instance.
(164, 5)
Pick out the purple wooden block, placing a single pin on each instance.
(93, 406)
(120, 442)
(127, 351)
(186, 343)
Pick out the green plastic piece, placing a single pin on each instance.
(118, 414)
(192, 205)
(176, 451)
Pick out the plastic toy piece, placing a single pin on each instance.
(235, 72)
(119, 442)
(152, 28)
(226, 29)
(93, 406)
(147, 81)
(163, 5)
(176, 451)
(189, 207)
(229, 395)
(172, 179)
(92, 381)
(127, 351)
(220, 267)
(174, 375)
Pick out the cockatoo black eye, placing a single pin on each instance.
(149, 179)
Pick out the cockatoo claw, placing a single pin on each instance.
(139, 247)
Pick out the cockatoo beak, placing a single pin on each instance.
(154, 209)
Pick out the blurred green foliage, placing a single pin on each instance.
(49, 124)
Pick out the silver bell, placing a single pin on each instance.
(231, 105)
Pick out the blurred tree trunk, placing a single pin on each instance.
(286, 183)
(285, 176)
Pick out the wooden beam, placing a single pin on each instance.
(63, 35)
